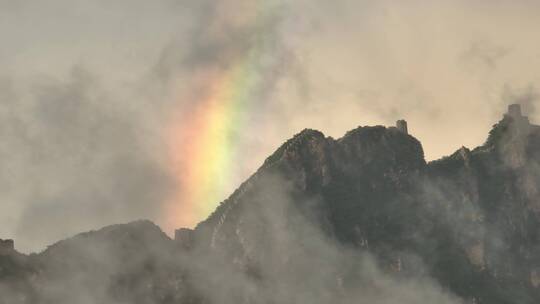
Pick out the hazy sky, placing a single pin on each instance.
(89, 90)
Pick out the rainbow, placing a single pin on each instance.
(203, 142)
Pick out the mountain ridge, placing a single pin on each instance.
(467, 222)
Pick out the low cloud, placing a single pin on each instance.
(72, 160)
(284, 256)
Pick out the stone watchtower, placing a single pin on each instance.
(401, 125)
(514, 110)
(521, 121)
(6, 246)
(184, 237)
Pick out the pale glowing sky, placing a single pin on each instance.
(88, 90)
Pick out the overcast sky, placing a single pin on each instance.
(87, 89)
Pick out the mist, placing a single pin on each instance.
(285, 256)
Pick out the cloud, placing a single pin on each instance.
(73, 159)
(485, 54)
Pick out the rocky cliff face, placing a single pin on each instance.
(363, 217)
(337, 184)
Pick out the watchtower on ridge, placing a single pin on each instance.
(401, 125)
(521, 121)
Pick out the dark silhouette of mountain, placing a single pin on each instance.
(363, 217)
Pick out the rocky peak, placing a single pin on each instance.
(384, 146)
(135, 235)
(298, 146)
(364, 168)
